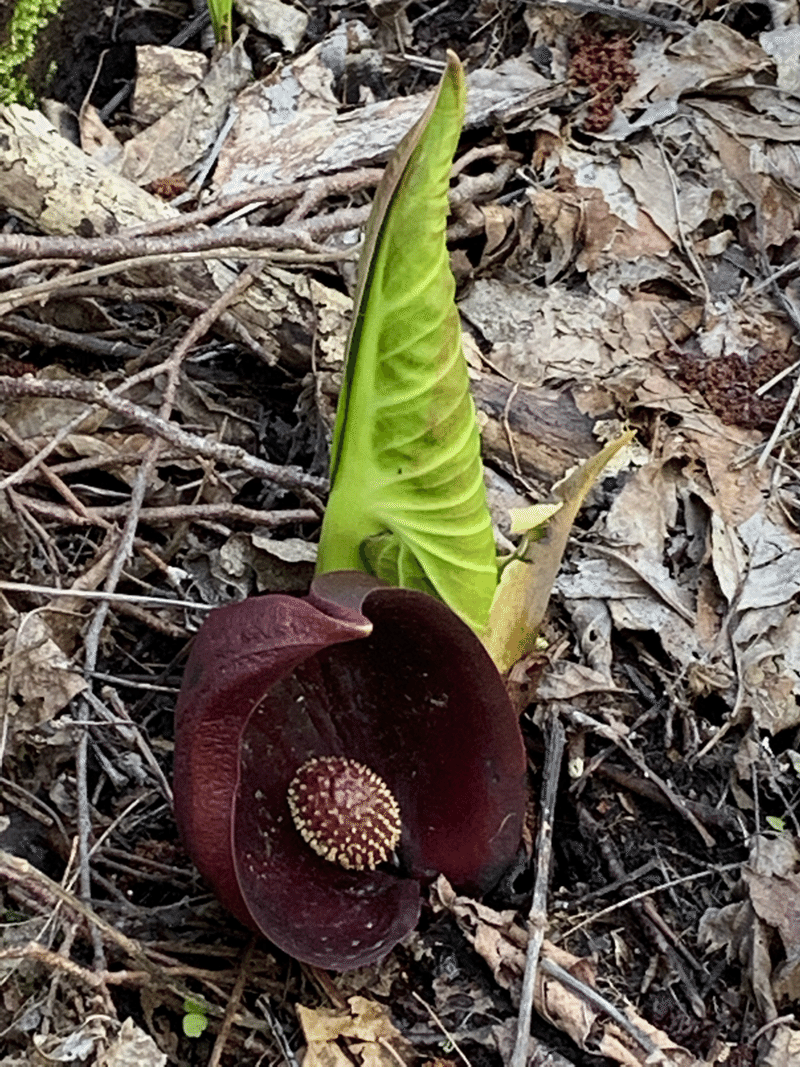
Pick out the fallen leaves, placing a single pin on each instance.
(362, 1033)
(771, 886)
(34, 671)
(501, 942)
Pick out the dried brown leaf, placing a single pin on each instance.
(784, 1048)
(132, 1048)
(34, 668)
(331, 1031)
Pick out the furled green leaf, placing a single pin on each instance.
(221, 20)
(407, 496)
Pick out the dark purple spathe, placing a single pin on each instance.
(389, 677)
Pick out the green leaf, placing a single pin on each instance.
(194, 1021)
(405, 458)
(533, 518)
(776, 823)
(386, 557)
(222, 20)
(194, 1025)
(525, 584)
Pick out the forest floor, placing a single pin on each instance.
(624, 236)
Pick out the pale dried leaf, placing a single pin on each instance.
(290, 550)
(778, 203)
(738, 930)
(565, 681)
(784, 1048)
(276, 19)
(773, 882)
(502, 944)
(39, 418)
(773, 576)
(35, 669)
(132, 1048)
(711, 53)
(622, 1047)
(738, 489)
(164, 76)
(184, 135)
(728, 557)
(291, 129)
(96, 139)
(381, 1044)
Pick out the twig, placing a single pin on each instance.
(122, 553)
(309, 192)
(31, 294)
(99, 594)
(154, 966)
(234, 456)
(111, 249)
(92, 463)
(47, 449)
(655, 930)
(441, 1026)
(506, 426)
(211, 156)
(171, 514)
(537, 917)
(112, 290)
(780, 425)
(84, 832)
(684, 240)
(53, 335)
(674, 798)
(32, 805)
(592, 997)
(616, 885)
(776, 379)
(19, 504)
(130, 732)
(187, 31)
(49, 892)
(724, 817)
(489, 151)
(56, 961)
(233, 1005)
(29, 452)
(781, 1020)
(615, 11)
(279, 1037)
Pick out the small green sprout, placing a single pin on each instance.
(195, 1020)
(222, 21)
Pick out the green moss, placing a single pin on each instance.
(23, 27)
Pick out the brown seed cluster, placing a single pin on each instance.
(345, 812)
(604, 64)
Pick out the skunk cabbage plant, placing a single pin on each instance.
(336, 751)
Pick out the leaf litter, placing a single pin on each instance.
(624, 241)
